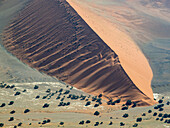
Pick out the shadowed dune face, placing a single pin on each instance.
(51, 37)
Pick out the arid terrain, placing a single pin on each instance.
(80, 63)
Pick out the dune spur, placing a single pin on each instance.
(51, 37)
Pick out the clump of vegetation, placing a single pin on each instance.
(134, 105)
(125, 115)
(160, 101)
(48, 90)
(117, 101)
(122, 124)
(61, 123)
(167, 103)
(88, 121)
(81, 122)
(110, 123)
(36, 87)
(11, 119)
(160, 115)
(37, 97)
(17, 93)
(125, 108)
(155, 114)
(139, 119)
(128, 102)
(149, 111)
(45, 105)
(96, 113)
(26, 111)
(67, 92)
(12, 112)
(144, 114)
(96, 105)
(3, 105)
(24, 90)
(161, 109)
(96, 124)
(1, 124)
(135, 125)
(100, 95)
(88, 103)
(11, 103)
(20, 124)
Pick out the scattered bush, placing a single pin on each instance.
(81, 122)
(88, 121)
(135, 125)
(165, 116)
(61, 90)
(20, 124)
(3, 105)
(37, 97)
(157, 118)
(160, 101)
(96, 105)
(12, 112)
(11, 103)
(1, 124)
(88, 103)
(161, 109)
(17, 93)
(96, 124)
(61, 123)
(36, 87)
(161, 119)
(100, 95)
(48, 90)
(155, 114)
(110, 123)
(143, 114)
(122, 124)
(46, 105)
(160, 115)
(125, 115)
(117, 101)
(134, 105)
(24, 90)
(149, 111)
(128, 102)
(125, 108)
(167, 103)
(139, 119)
(96, 113)
(11, 119)
(67, 92)
(26, 111)
(48, 120)
(68, 103)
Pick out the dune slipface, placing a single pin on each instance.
(51, 37)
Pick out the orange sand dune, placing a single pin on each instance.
(51, 37)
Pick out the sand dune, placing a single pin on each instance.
(51, 37)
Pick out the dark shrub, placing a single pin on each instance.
(67, 92)
(160, 101)
(160, 115)
(128, 102)
(122, 124)
(157, 118)
(96, 124)
(61, 123)
(110, 123)
(58, 98)
(44, 122)
(118, 101)
(20, 124)
(24, 90)
(11, 119)
(48, 90)
(156, 107)
(68, 103)
(88, 121)
(26, 111)
(135, 125)
(139, 119)
(36, 87)
(46, 105)
(155, 114)
(15, 126)
(94, 98)
(161, 119)
(167, 103)
(134, 105)
(113, 103)
(125, 115)
(12, 86)
(125, 108)
(61, 90)
(161, 109)
(3, 105)
(168, 121)
(37, 97)
(165, 116)
(96, 105)
(143, 114)
(17, 93)
(1, 124)
(96, 113)
(30, 123)
(88, 103)
(12, 112)
(48, 120)
(62, 99)
(81, 122)
(149, 111)
(100, 95)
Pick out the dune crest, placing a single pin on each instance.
(51, 37)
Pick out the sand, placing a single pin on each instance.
(132, 59)
(52, 38)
